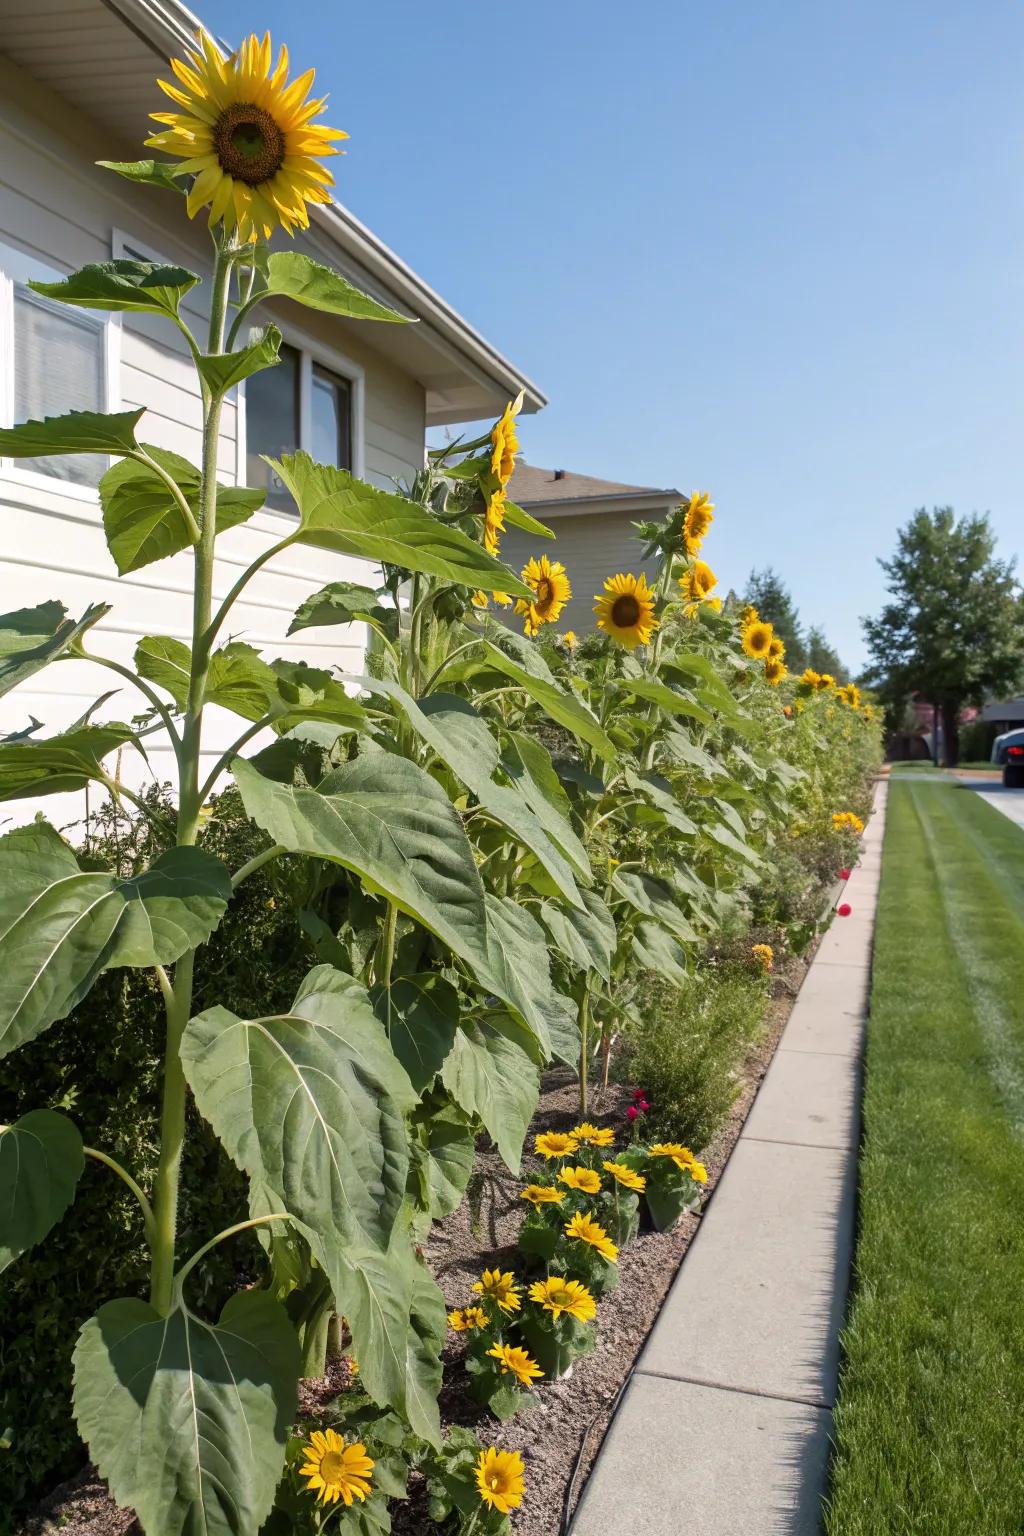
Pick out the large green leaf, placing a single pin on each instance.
(655, 950)
(143, 522)
(666, 698)
(41, 1162)
(587, 937)
(187, 1420)
(421, 1016)
(147, 286)
(448, 1154)
(77, 432)
(152, 173)
(460, 736)
(528, 764)
(294, 276)
(659, 793)
(563, 707)
(61, 926)
(517, 969)
(30, 638)
(341, 602)
(310, 1103)
(350, 517)
(221, 371)
(654, 898)
(725, 837)
(163, 660)
(488, 1075)
(517, 517)
(58, 764)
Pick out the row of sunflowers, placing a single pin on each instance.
(488, 837)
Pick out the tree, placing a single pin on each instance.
(771, 597)
(821, 655)
(954, 630)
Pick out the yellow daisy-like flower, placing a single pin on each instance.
(623, 1174)
(697, 581)
(850, 694)
(826, 682)
(552, 589)
(697, 521)
(589, 1135)
(494, 522)
(557, 1295)
(247, 136)
(586, 1230)
(550, 1144)
(541, 1194)
(465, 1318)
(625, 610)
(584, 1179)
(847, 821)
(570, 640)
(505, 441)
(810, 680)
(776, 648)
(334, 1470)
(764, 955)
(499, 1288)
(774, 671)
(749, 615)
(500, 1479)
(516, 1362)
(680, 1155)
(757, 639)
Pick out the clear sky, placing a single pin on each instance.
(773, 251)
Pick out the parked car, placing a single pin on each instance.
(1008, 750)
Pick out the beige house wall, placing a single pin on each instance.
(591, 546)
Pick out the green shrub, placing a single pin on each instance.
(684, 1045)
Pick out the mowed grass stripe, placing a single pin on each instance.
(931, 1407)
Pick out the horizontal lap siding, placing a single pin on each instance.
(591, 546)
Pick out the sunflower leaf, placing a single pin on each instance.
(153, 173)
(41, 1162)
(292, 275)
(221, 371)
(146, 287)
(30, 638)
(488, 1075)
(77, 432)
(142, 520)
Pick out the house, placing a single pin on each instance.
(593, 525)
(1004, 714)
(77, 81)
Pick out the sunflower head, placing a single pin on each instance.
(247, 136)
(464, 1319)
(625, 610)
(505, 442)
(697, 520)
(500, 1288)
(334, 1470)
(810, 681)
(541, 1194)
(774, 670)
(763, 956)
(585, 1229)
(697, 581)
(623, 1174)
(570, 640)
(757, 639)
(584, 1179)
(551, 1144)
(552, 591)
(558, 1295)
(587, 1134)
(513, 1361)
(500, 1479)
(776, 648)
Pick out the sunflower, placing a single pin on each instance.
(500, 1479)
(757, 637)
(586, 1229)
(826, 682)
(626, 610)
(499, 1288)
(570, 640)
(847, 821)
(247, 136)
(680, 1155)
(774, 670)
(697, 521)
(850, 694)
(552, 591)
(776, 648)
(749, 615)
(334, 1470)
(541, 1194)
(763, 955)
(551, 1144)
(623, 1174)
(584, 1179)
(810, 681)
(516, 1362)
(465, 1318)
(589, 1135)
(557, 1295)
(505, 442)
(696, 582)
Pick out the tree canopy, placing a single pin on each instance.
(953, 631)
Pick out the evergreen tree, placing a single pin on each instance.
(771, 597)
(822, 656)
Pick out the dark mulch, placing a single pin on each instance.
(560, 1437)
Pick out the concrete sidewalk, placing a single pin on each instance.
(724, 1428)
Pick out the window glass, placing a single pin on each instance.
(332, 418)
(272, 424)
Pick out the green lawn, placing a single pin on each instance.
(930, 1422)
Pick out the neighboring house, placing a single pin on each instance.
(77, 80)
(1004, 714)
(593, 525)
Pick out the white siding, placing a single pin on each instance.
(57, 206)
(591, 546)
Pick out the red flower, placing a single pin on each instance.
(845, 909)
(638, 1096)
(632, 1112)
(844, 874)
(643, 1105)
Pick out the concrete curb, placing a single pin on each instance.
(724, 1428)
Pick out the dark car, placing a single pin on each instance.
(1008, 750)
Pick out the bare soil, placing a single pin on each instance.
(560, 1437)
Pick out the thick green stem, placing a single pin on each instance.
(584, 1046)
(122, 1173)
(172, 1140)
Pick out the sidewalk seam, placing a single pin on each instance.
(722, 1386)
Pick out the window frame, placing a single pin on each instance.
(12, 470)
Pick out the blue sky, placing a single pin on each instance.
(770, 251)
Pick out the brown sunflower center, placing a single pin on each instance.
(250, 146)
(545, 595)
(625, 611)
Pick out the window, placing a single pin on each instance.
(54, 361)
(298, 404)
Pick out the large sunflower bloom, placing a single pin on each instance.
(552, 591)
(500, 1479)
(499, 1288)
(757, 639)
(514, 1361)
(776, 648)
(334, 1470)
(247, 136)
(557, 1295)
(586, 1230)
(625, 610)
(505, 441)
(494, 527)
(697, 521)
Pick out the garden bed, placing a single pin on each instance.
(560, 1437)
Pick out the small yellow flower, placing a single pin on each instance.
(550, 1144)
(516, 1362)
(698, 1172)
(757, 638)
(588, 1135)
(826, 682)
(810, 680)
(623, 1174)
(541, 1194)
(334, 1470)
(465, 1318)
(586, 1230)
(557, 1295)
(749, 615)
(626, 610)
(499, 1288)
(850, 694)
(764, 955)
(552, 591)
(847, 821)
(584, 1179)
(570, 640)
(774, 671)
(680, 1155)
(697, 521)
(697, 581)
(500, 1479)
(505, 442)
